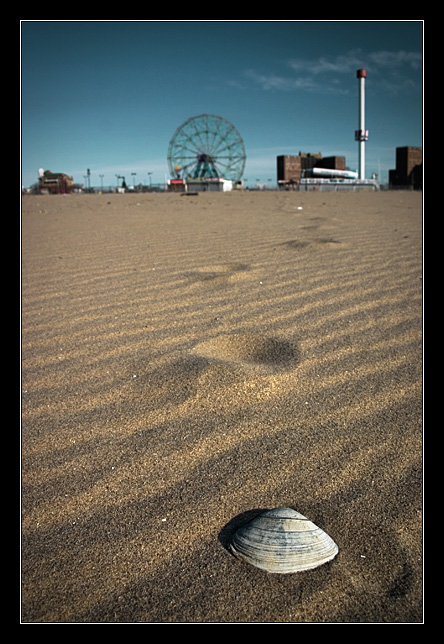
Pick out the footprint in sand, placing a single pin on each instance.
(221, 274)
(250, 349)
(295, 244)
(299, 244)
(226, 356)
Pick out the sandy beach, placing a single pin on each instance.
(189, 360)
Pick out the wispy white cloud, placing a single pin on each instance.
(343, 64)
(285, 83)
(304, 83)
(396, 59)
(323, 75)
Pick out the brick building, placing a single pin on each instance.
(408, 172)
(290, 168)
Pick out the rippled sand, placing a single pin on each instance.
(188, 360)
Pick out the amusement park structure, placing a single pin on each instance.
(207, 152)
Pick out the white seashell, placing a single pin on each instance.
(283, 541)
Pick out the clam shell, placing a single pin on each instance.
(283, 541)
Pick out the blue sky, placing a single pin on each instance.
(109, 95)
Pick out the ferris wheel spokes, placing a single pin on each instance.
(207, 146)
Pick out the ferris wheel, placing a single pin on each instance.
(204, 147)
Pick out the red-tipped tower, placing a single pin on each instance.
(361, 135)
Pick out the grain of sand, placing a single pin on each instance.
(189, 360)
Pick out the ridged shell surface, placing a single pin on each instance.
(283, 541)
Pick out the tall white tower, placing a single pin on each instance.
(361, 135)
